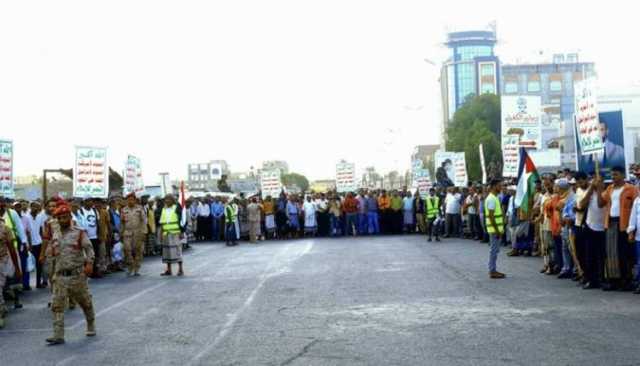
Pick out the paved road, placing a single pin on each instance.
(363, 301)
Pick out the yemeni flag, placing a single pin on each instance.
(527, 176)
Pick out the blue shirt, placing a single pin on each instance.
(567, 211)
(217, 209)
(372, 204)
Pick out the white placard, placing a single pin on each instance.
(423, 182)
(133, 177)
(521, 115)
(510, 155)
(6, 169)
(586, 117)
(457, 170)
(91, 172)
(270, 183)
(346, 177)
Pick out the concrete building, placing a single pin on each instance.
(276, 164)
(471, 68)
(205, 176)
(554, 83)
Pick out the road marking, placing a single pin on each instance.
(66, 361)
(266, 275)
(134, 297)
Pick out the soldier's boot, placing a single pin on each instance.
(90, 316)
(58, 330)
(91, 328)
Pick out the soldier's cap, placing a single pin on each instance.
(61, 209)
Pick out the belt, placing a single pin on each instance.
(614, 218)
(69, 273)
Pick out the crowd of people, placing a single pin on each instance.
(582, 228)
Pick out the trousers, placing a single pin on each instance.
(494, 241)
(70, 288)
(133, 246)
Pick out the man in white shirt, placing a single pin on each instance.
(453, 218)
(90, 218)
(580, 240)
(594, 234)
(36, 220)
(204, 224)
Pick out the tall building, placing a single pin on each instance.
(471, 68)
(276, 164)
(554, 83)
(204, 176)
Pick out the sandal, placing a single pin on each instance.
(166, 273)
(180, 273)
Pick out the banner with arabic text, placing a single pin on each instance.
(133, 177)
(6, 168)
(91, 173)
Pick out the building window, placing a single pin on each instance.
(487, 88)
(555, 85)
(510, 87)
(533, 86)
(486, 70)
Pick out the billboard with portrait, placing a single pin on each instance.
(611, 130)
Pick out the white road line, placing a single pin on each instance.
(268, 273)
(133, 297)
(66, 361)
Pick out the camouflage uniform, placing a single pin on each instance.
(134, 226)
(6, 238)
(70, 253)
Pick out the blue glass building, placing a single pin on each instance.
(471, 68)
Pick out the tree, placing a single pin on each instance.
(476, 122)
(296, 179)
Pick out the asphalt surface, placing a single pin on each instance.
(357, 301)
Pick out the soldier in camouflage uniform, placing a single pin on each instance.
(7, 253)
(133, 231)
(73, 261)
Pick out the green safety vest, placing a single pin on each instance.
(171, 224)
(432, 208)
(8, 222)
(497, 215)
(231, 213)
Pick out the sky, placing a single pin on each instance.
(309, 82)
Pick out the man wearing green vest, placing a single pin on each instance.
(494, 219)
(231, 222)
(171, 228)
(432, 210)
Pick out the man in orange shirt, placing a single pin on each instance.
(350, 208)
(619, 257)
(384, 206)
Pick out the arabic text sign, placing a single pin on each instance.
(586, 117)
(521, 115)
(510, 155)
(457, 170)
(423, 182)
(91, 173)
(270, 183)
(345, 177)
(6, 168)
(133, 177)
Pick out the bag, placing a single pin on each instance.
(116, 252)
(31, 263)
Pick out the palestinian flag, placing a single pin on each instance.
(527, 176)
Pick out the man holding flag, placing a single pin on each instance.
(527, 177)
